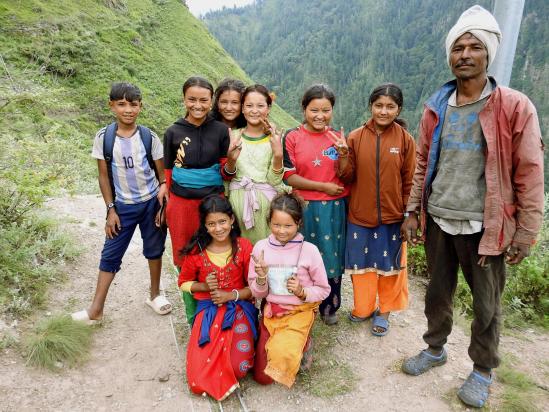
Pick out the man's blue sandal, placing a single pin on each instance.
(474, 391)
(379, 322)
(422, 362)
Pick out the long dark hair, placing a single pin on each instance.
(394, 92)
(229, 85)
(201, 238)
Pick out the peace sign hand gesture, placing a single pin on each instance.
(267, 125)
(235, 146)
(340, 142)
(276, 141)
(261, 268)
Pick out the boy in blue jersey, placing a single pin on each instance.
(139, 190)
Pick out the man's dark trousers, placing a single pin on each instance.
(445, 254)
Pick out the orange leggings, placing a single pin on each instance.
(392, 292)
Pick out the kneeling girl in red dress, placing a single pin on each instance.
(214, 269)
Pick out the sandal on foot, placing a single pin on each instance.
(82, 316)
(160, 305)
(421, 363)
(379, 321)
(475, 390)
(358, 319)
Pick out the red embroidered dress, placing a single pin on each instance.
(216, 362)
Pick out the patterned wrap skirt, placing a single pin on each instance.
(376, 249)
(216, 367)
(324, 226)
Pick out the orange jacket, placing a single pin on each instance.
(380, 170)
(513, 206)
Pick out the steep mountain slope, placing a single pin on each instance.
(58, 59)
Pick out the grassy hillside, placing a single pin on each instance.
(57, 60)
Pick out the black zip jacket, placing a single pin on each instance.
(204, 146)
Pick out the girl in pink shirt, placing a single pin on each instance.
(289, 273)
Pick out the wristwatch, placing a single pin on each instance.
(109, 206)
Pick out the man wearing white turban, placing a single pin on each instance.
(478, 188)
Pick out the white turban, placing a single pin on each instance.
(481, 24)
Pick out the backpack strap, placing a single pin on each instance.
(108, 145)
(146, 138)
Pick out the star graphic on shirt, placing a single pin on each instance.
(316, 162)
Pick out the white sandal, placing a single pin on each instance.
(158, 303)
(83, 316)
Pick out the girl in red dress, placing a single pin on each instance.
(215, 270)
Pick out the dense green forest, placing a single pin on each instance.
(355, 45)
(57, 61)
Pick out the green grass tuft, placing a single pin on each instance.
(328, 376)
(57, 342)
(517, 401)
(328, 381)
(7, 340)
(520, 391)
(512, 377)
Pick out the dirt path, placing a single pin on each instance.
(134, 352)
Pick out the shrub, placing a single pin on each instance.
(526, 295)
(417, 264)
(31, 249)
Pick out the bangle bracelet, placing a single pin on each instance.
(278, 171)
(163, 182)
(263, 280)
(237, 294)
(229, 173)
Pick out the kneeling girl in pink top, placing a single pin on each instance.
(290, 274)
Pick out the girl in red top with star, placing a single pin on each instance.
(310, 167)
